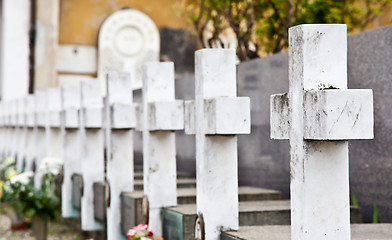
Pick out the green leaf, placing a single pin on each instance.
(375, 213)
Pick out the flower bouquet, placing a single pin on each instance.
(140, 232)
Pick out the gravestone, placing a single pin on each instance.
(319, 115)
(219, 116)
(120, 122)
(127, 39)
(71, 98)
(92, 139)
(162, 115)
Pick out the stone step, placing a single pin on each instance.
(131, 212)
(139, 175)
(181, 183)
(358, 232)
(178, 221)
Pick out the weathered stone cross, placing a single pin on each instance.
(319, 115)
(55, 129)
(71, 98)
(162, 114)
(92, 138)
(41, 136)
(31, 132)
(120, 122)
(220, 115)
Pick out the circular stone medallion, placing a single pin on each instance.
(129, 41)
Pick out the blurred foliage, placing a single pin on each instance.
(262, 25)
(25, 199)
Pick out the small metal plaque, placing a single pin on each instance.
(77, 190)
(100, 201)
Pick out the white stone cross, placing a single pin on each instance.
(21, 135)
(220, 116)
(319, 115)
(14, 128)
(41, 136)
(127, 39)
(162, 114)
(31, 132)
(120, 122)
(55, 129)
(92, 138)
(72, 145)
(3, 129)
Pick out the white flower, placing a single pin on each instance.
(23, 178)
(50, 165)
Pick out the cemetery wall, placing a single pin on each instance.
(265, 163)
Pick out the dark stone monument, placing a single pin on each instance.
(263, 162)
(370, 66)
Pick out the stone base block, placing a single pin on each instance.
(178, 221)
(358, 232)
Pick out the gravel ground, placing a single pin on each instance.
(57, 231)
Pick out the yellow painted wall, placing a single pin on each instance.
(80, 20)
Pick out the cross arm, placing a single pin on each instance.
(226, 115)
